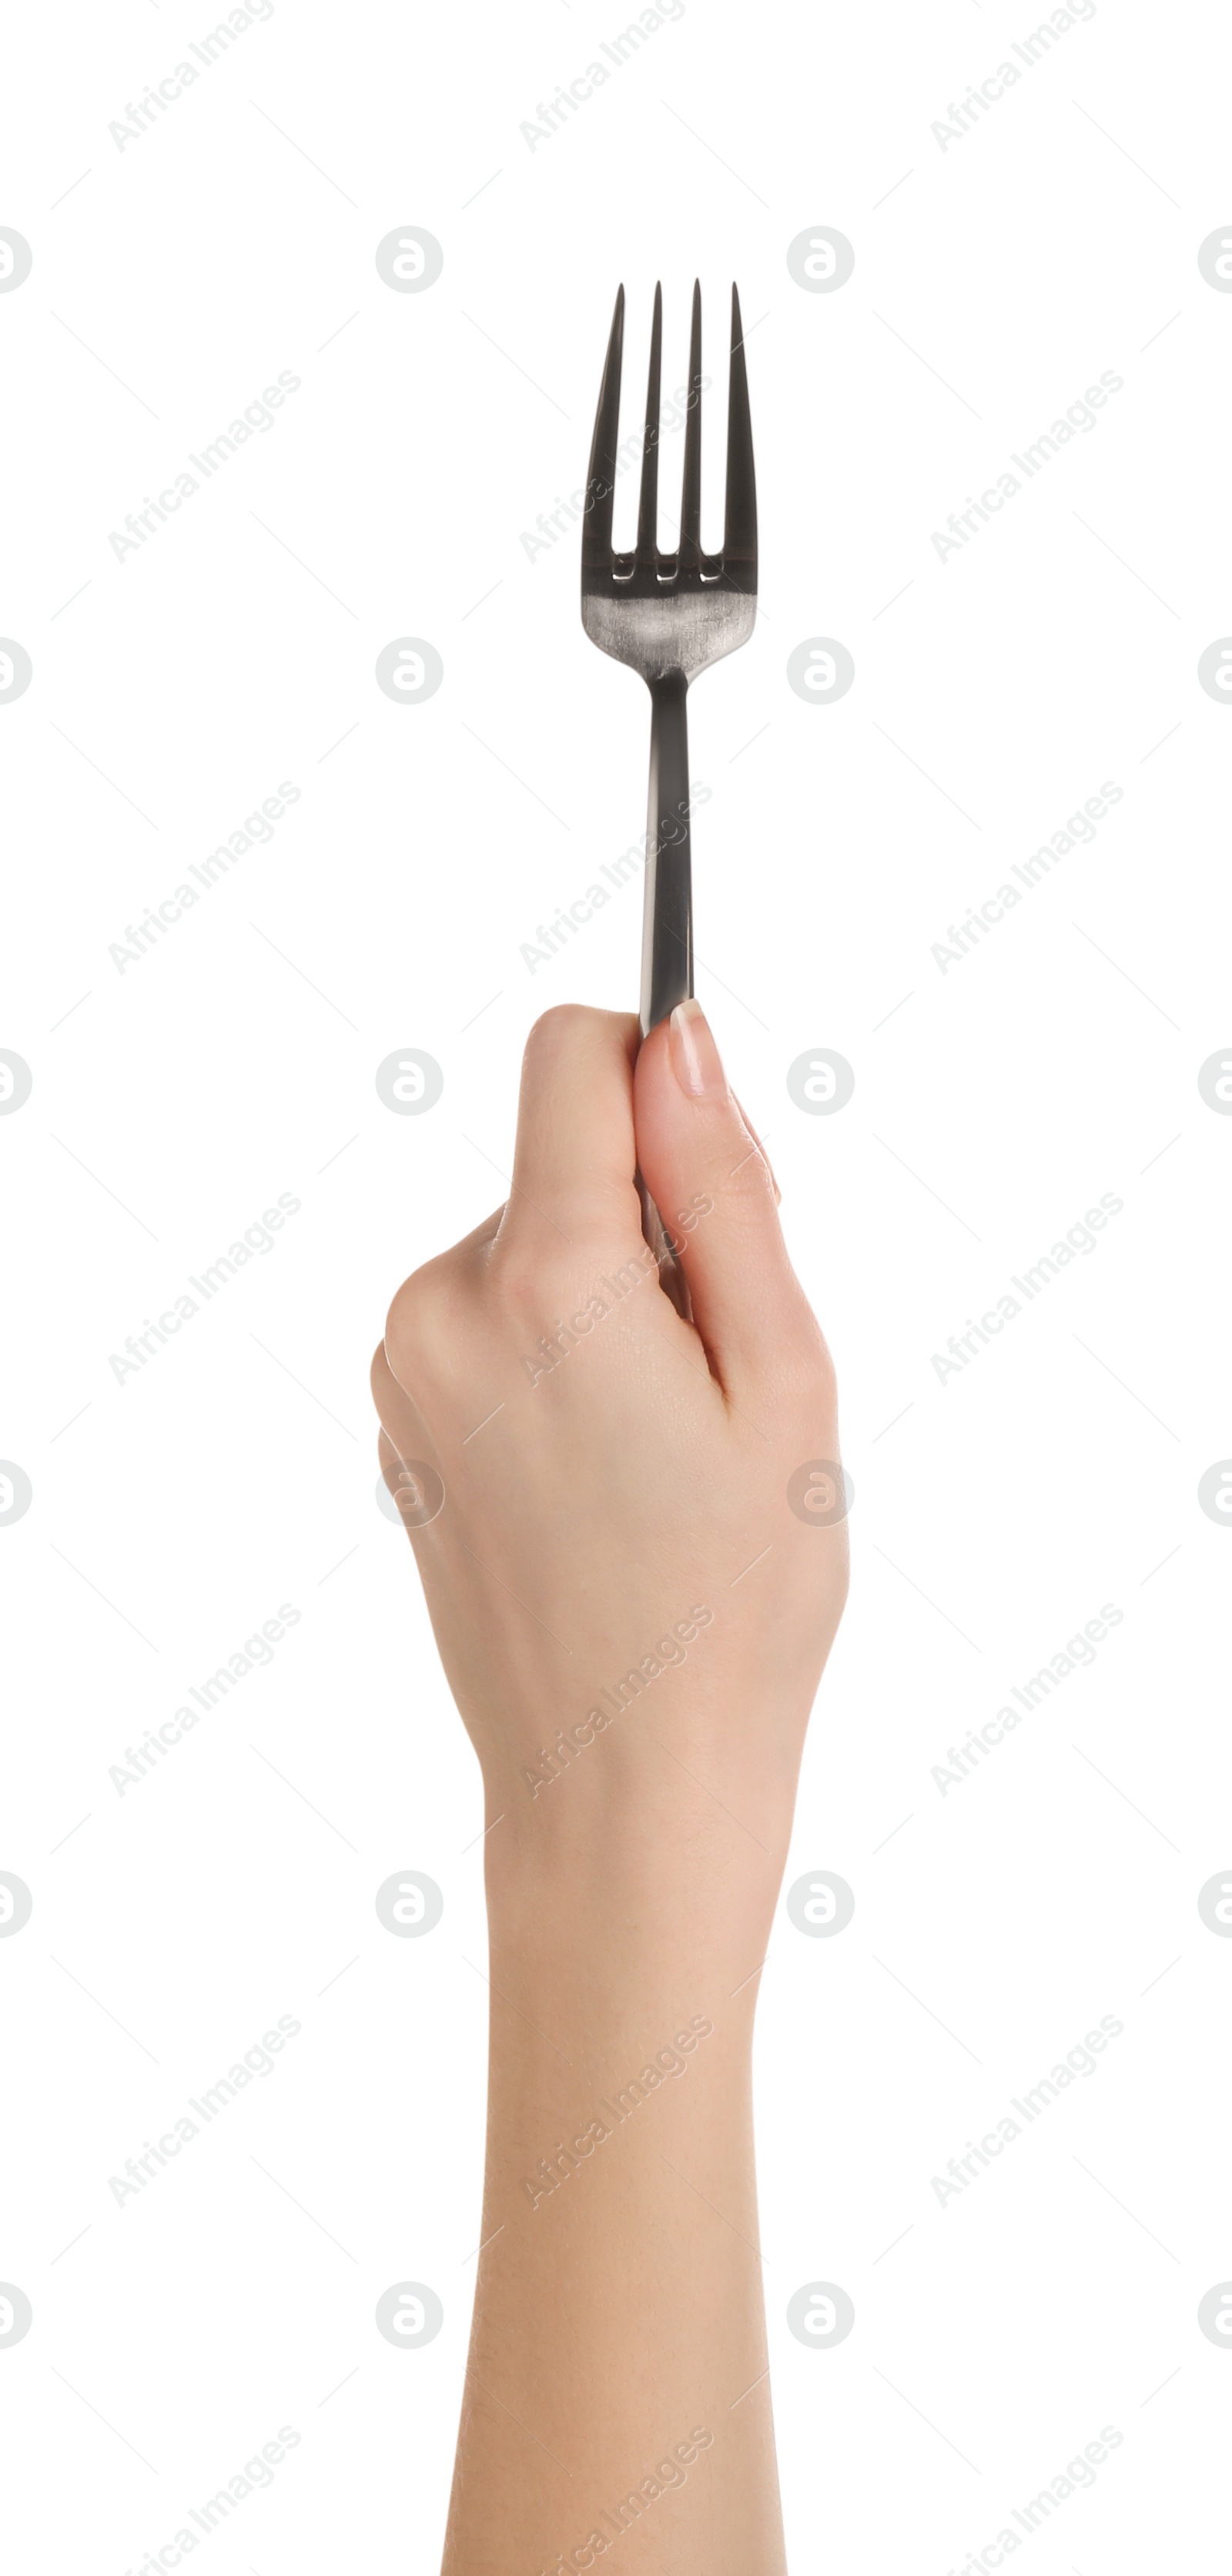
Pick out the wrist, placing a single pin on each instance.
(668, 1826)
(612, 1937)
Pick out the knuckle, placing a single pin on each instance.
(549, 1277)
(805, 1382)
(561, 1021)
(554, 1034)
(564, 1028)
(519, 1278)
(424, 1323)
(531, 1286)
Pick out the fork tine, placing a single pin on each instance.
(691, 498)
(740, 524)
(648, 503)
(600, 482)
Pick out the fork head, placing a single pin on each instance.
(679, 612)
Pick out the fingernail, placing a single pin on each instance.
(695, 1057)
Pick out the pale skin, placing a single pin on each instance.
(634, 1477)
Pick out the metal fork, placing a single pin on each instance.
(669, 617)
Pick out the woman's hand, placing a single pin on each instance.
(631, 1532)
(622, 1576)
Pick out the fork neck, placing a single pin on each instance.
(667, 932)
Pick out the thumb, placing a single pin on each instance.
(715, 1191)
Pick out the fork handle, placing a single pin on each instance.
(667, 921)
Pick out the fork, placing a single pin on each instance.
(669, 617)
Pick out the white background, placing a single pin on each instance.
(995, 1513)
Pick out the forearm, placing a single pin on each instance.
(619, 2335)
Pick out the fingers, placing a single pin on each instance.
(593, 1109)
(701, 1161)
(574, 1160)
